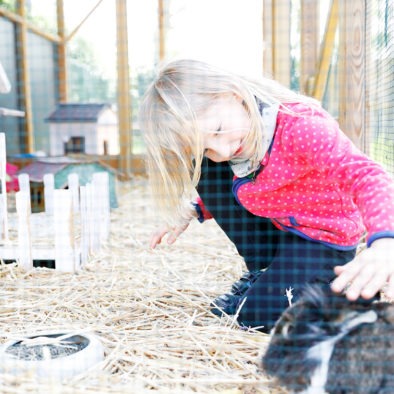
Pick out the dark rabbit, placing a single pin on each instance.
(324, 343)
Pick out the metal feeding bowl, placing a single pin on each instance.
(51, 355)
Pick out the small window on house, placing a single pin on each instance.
(75, 145)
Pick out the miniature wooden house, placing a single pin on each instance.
(83, 128)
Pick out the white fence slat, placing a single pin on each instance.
(24, 236)
(24, 186)
(94, 223)
(84, 226)
(64, 231)
(49, 187)
(73, 186)
(102, 203)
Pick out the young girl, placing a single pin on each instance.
(279, 177)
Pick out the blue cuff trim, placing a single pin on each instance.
(200, 216)
(379, 235)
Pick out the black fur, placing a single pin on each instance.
(362, 360)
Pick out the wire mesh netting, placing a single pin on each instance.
(380, 82)
(225, 309)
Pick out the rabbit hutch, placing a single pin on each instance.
(88, 128)
(78, 71)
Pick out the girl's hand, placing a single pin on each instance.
(369, 272)
(173, 233)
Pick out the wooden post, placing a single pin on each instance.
(281, 41)
(124, 100)
(326, 50)
(61, 53)
(162, 31)
(267, 38)
(352, 69)
(27, 139)
(309, 43)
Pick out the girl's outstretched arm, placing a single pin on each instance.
(172, 234)
(369, 272)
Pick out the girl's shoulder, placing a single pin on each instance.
(303, 109)
(307, 112)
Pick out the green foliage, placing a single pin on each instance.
(81, 51)
(86, 82)
(8, 4)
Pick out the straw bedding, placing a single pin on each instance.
(149, 308)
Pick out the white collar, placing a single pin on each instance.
(269, 115)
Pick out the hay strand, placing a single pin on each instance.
(150, 308)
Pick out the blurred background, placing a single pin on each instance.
(73, 72)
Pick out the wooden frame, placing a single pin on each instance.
(276, 30)
(162, 30)
(61, 53)
(24, 76)
(346, 18)
(352, 20)
(124, 99)
(326, 51)
(309, 44)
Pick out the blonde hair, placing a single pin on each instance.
(182, 90)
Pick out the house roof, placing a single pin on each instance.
(52, 165)
(61, 167)
(38, 169)
(76, 112)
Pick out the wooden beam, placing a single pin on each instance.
(162, 30)
(267, 38)
(326, 50)
(352, 39)
(30, 27)
(309, 43)
(281, 41)
(80, 24)
(61, 53)
(124, 99)
(26, 139)
(371, 79)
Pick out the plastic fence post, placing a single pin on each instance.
(24, 236)
(94, 220)
(64, 231)
(102, 212)
(85, 234)
(24, 186)
(73, 186)
(49, 187)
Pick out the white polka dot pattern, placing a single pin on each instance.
(316, 182)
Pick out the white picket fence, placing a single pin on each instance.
(76, 220)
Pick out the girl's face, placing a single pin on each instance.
(224, 126)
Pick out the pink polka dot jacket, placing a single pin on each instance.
(317, 184)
